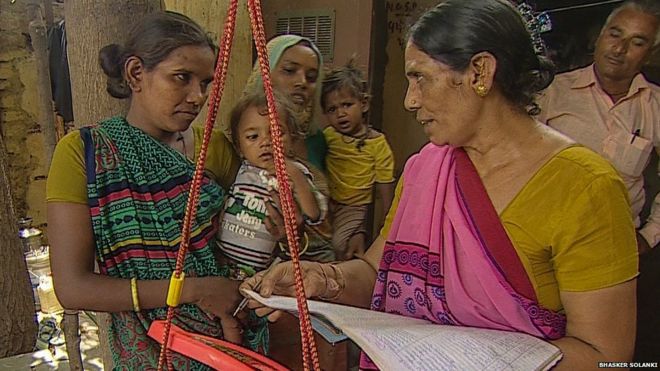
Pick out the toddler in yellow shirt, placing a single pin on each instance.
(359, 158)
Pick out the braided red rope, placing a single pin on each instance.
(219, 77)
(286, 197)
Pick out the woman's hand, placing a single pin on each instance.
(219, 296)
(280, 281)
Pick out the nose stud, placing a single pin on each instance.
(413, 102)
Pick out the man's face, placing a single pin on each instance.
(625, 44)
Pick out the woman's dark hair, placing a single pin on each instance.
(152, 40)
(345, 77)
(455, 30)
(285, 110)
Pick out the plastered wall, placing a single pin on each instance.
(19, 113)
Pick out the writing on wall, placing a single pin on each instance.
(400, 15)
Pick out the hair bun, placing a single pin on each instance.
(533, 81)
(539, 79)
(546, 73)
(110, 60)
(112, 64)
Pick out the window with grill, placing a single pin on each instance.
(317, 25)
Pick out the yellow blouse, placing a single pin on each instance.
(67, 181)
(570, 225)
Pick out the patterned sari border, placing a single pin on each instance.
(491, 231)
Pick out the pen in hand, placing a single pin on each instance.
(244, 302)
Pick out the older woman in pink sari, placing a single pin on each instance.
(500, 222)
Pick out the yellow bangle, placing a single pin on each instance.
(175, 289)
(285, 247)
(134, 295)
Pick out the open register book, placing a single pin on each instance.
(396, 342)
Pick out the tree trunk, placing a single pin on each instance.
(18, 328)
(91, 25)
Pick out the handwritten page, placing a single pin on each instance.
(437, 347)
(396, 342)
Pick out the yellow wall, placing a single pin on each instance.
(211, 15)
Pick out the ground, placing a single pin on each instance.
(55, 357)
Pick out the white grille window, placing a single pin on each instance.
(317, 25)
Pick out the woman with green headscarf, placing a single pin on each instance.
(296, 66)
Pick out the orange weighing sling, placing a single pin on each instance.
(216, 353)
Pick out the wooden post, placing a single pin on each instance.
(72, 338)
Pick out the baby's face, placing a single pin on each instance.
(254, 137)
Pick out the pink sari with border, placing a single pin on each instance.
(448, 259)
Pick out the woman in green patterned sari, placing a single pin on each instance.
(117, 193)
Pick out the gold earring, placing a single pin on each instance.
(481, 90)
